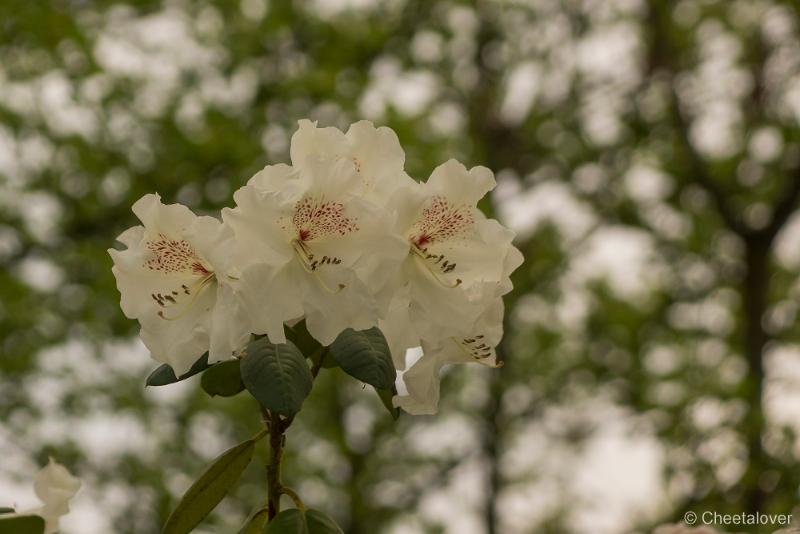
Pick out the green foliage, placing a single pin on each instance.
(223, 379)
(319, 523)
(164, 375)
(386, 396)
(299, 335)
(290, 521)
(256, 522)
(365, 355)
(6, 510)
(212, 486)
(310, 521)
(277, 375)
(25, 524)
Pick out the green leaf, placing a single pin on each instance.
(386, 396)
(290, 521)
(276, 375)
(209, 489)
(319, 523)
(293, 521)
(164, 374)
(223, 379)
(256, 522)
(299, 335)
(365, 355)
(6, 510)
(22, 524)
(327, 361)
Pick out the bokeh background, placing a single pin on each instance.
(647, 154)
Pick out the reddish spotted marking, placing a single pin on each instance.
(172, 256)
(441, 221)
(314, 218)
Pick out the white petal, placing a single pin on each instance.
(399, 331)
(271, 297)
(180, 340)
(213, 242)
(327, 314)
(230, 325)
(435, 309)
(309, 140)
(330, 178)
(132, 236)
(480, 257)
(273, 178)
(257, 225)
(162, 218)
(422, 384)
(452, 180)
(378, 156)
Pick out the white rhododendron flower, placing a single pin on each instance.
(458, 268)
(453, 246)
(422, 379)
(314, 246)
(55, 487)
(175, 278)
(459, 260)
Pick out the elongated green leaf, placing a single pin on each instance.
(22, 524)
(365, 355)
(223, 379)
(290, 521)
(209, 489)
(256, 522)
(386, 396)
(164, 374)
(276, 375)
(6, 510)
(319, 523)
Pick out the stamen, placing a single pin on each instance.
(306, 258)
(424, 257)
(485, 351)
(195, 290)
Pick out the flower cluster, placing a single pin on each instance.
(342, 238)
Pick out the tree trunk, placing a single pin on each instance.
(754, 300)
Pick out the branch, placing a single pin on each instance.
(699, 169)
(661, 56)
(785, 206)
(276, 442)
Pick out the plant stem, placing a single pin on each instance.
(276, 426)
(277, 440)
(298, 502)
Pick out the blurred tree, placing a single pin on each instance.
(647, 153)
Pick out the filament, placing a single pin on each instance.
(197, 290)
(306, 257)
(442, 282)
